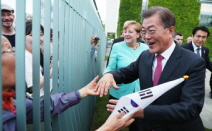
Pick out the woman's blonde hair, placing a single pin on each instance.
(137, 26)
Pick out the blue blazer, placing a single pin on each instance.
(121, 56)
(179, 108)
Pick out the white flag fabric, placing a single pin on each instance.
(133, 102)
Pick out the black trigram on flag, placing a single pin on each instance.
(123, 109)
(145, 94)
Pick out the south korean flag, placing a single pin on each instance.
(139, 100)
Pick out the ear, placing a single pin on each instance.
(171, 29)
(13, 16)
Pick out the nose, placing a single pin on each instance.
(200, 39)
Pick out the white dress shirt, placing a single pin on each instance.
(166, 54)
(195, 49)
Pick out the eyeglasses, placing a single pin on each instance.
(149, 32)
(9, 51)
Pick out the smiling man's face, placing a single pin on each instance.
(157, 37)
(7, 18)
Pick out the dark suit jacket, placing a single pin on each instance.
(204, 55)
(179, 108)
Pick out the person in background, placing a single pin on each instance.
(8, 18)
(29, 62)
(178, 37)
(94, 46)
(124, 53)
(189, 39)
(120, 39)
(178, 109)
(199, 37)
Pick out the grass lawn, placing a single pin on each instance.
(101, 114)
(208, 129)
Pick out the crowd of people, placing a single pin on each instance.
(133, 65)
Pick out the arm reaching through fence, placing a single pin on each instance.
(58, 102)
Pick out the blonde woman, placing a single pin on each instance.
(124, 53)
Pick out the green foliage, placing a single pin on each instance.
(209, 41)
(129, 10)
(206, 129)
(106, 58)
(101, 114)
(111, 35)
(186, 13)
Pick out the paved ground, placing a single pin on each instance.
(206, 113)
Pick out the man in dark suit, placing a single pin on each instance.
(179, 108)
(199, 37)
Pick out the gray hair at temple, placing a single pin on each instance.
(166, 16)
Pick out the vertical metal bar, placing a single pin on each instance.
(55, 45)
(72, 66)
(20, 66)
(47, 26)
(55, 120)
(62, 119)
(36, 64)
(67, 60)
(75, 58)
(1, 74)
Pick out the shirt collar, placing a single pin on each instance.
(167, 53)
(195, 47)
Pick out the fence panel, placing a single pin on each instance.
(73, 23)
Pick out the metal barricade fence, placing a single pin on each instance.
(73, 23)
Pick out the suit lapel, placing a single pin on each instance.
(191, 47)
(148, 68)
(171, 65)
(203, 52)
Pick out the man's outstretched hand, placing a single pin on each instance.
(104, 84)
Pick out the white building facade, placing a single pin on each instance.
(112, 10)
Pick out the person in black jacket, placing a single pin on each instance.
(199, 36)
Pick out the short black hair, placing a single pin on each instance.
(29, 28)
(202, 28)
(177, 33)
